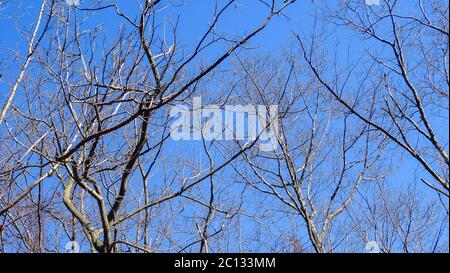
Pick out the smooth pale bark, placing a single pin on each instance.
(30, 52)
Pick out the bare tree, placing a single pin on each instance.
(88, 154)
(320, 159)
(100, 115)
(408, 79)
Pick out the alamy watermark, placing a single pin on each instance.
(372, 247)
(73, 2)
(372, 2)
(231, 122)
(72, 247)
